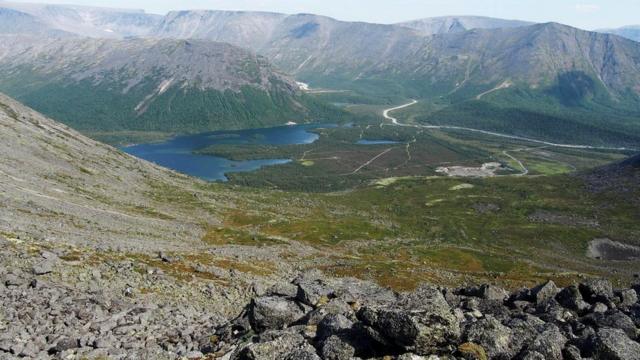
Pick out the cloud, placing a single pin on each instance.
(587, 8)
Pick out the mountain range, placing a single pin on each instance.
(630, 32)
(149, 84)
(465, 64)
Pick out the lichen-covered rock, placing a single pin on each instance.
(495, 338)
(614, 344)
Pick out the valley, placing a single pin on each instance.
(245, 185)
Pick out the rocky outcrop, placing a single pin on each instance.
(348, 319)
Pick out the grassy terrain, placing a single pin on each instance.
(404, 231)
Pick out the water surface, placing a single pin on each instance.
(178, 153)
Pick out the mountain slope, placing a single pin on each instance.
(16, 22)
(630, 32)
(153, 84)
(457, 24)
(58, 184)
(88, 21)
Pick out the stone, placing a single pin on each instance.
(65, 344)
(333, 324)
(596, 290)
(491, 292)
(43, 268)
(314, 293)
(571, 352)
(302, 354)
(12, 280)
(549, 343)
(421, 322)
(278, 349)
(282, 289)
(614, 344)
(544, 293)
(599, 308)
(628, 298)
(334, 348)
(271, 312)
(571, 298)
(495, 338)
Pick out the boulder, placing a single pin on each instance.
(549, 343)
(494, 293)
(286, 346)
(628, 298)
(42, 268)
(335, 348)
(544, 293)
(597, 290)
(420, 322)
(333, 325)
(314, 293)
(614, 344)
(272, 312)
(613, 319)
(495, 338)
(571, 298)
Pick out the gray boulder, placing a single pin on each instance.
(333, 325)
(571, 298)
(597, 290)
(544, 293)
(42, 268)
(271, 312)
(614, 344)
(284, 347)
(549, 343)
(334, 348)
(494, 337)
(494, 293)
(421, 322)
(628, 298)
(314, 292)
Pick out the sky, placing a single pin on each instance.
(587, 14)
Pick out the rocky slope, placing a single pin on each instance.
(148, 84)
(317, 318)
(457, 24)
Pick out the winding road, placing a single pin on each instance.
(525, 170)
(394, 121)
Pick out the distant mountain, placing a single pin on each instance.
(87, 21)
(17, 22)
(630, 32)
(456, 24)
(150, 84)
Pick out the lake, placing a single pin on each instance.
(178, 153)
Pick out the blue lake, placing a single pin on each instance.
(376, 142)
(177, 153)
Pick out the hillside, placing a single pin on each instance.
(150, 84)
(457, 24)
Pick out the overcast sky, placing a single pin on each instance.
(588, 14)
